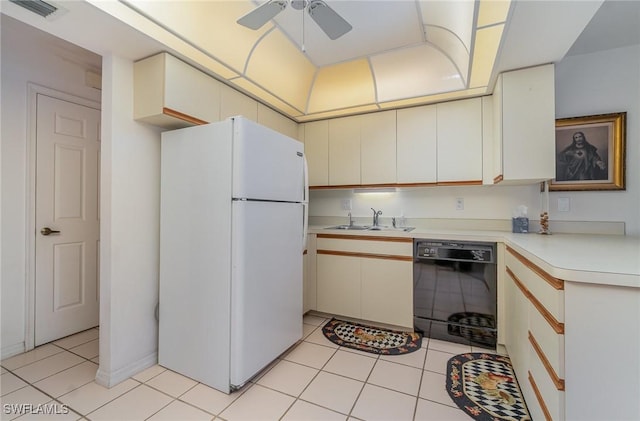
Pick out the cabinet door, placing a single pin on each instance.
(460, 140)
(338, 285)
(517, 341)
(316, 148)
(344, 151)
(276, 121)
(387, 291)
(191, 91)
(378, 147)
(528, 124)
(233, 103)
(169, 93)
(416, 145)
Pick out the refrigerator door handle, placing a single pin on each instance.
(305, 204)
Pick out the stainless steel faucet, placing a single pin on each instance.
(350, 220)
(376, 215)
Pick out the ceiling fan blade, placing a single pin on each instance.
(328, 20)
(262, 14)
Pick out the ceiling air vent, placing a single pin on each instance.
(36, 6)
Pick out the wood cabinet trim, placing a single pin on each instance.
(557, 326)
(554, 282)
(399, 185)
(367, 238)
(183, 116)
(536, 391)
(460, 183)
(557, 381)
(366, 255)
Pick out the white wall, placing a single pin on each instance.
(602, 83)
(130, 224)
(26, 61)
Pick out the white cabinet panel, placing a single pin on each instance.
(378, 147)
(524, 103)
(460, 140)
(344, 151)
(416, 145)
(276, 121)
(172, 94)
(233, 103)
(338, 286)
(316, 148)
(386, 289)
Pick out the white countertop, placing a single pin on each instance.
(600, 259)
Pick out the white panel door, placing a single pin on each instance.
(66, 278)
(266, 284)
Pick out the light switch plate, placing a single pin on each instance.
(459, 203)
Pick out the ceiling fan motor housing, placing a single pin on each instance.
(299, 4)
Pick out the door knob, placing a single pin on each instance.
(48, 231)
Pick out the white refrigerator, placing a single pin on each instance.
(232, 232)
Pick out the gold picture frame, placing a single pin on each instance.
(590, 153)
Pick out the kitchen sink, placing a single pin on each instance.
(388, 228)
(348, 227)
(369, 228)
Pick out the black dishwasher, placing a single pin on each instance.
(455, 291)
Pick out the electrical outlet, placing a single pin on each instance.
(564, 204)
(459, 203)
(346, 204)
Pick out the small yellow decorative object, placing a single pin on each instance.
(544, 223)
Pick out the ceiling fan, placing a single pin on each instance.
(327, 19)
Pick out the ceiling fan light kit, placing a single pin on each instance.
(324, 16)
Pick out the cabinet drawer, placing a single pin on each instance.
(364, 246)
(550, 345)
(547, 290)
(543, 399)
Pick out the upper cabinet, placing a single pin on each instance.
(172, 94)
(233, 103)
(344, 151)
(378, 148)
(459, 141)
(416, 145)
(316, 149)
(524, 125)
(276, 121)
(362, 149)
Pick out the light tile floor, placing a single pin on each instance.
(315, 380)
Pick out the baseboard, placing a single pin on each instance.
(11, 350)
(110, 379)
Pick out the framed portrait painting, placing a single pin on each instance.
(590, 153)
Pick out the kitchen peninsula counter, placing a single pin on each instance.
(586, 258)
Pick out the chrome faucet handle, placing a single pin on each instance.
(393, 222)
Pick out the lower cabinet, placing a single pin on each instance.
(368, 278)
(535, 335)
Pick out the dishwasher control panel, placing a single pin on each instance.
(449, 250)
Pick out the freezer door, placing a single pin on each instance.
(267, 165)
(266, 284)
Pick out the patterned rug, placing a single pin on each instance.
(371, 339)
(485, 387)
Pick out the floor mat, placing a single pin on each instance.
(371, 339)
(485, 387)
